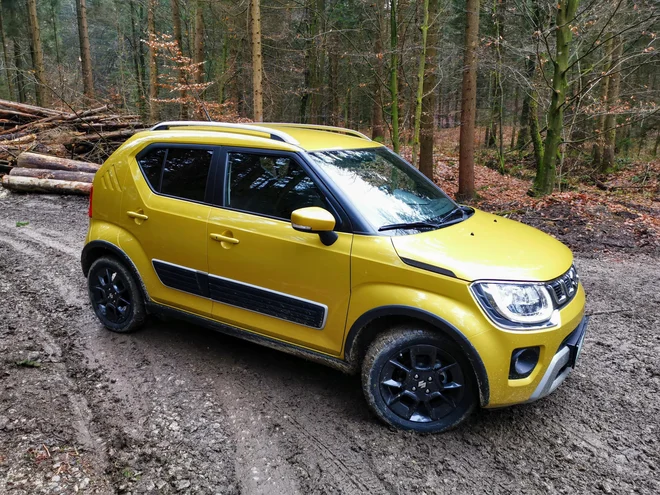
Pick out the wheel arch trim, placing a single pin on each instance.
(437, 323)
(87, 258)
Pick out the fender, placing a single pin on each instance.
(433, 320)
(95, 249)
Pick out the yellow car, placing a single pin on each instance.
(324, 244)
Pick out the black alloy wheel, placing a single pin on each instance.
(418, 379)
(421, 383)
(114, 295)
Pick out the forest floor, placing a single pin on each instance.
(179, 409)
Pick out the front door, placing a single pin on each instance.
(266, 277)
(166, 212)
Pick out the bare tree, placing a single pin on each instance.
(178, 37)
(468, 104)
(198, 52)
(257, 63)
(153, 64)
(429, 103)
(5, 51)
(85, 50)
(37, 53)
(545, 177)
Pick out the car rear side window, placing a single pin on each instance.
(269, 185)
(178, 171)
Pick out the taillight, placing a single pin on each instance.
(91, 193)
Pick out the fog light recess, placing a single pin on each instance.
(523, 362)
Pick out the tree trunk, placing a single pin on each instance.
(534, 131)
(85, 51)
(377, 125)
(394, 79)
(222, 72)
(48, 186)
(178, 37)
(5, 52)
(430, 101)
(468, 104)
(420, 81)
(545, 177)
(609, 129)
(198, 53)
(37, 54)
(56, 38)
(257, 62)
(20, 81)
(52, 174)
(137, 49)
(514, 120)
(333, 85)
(35, 160)
(153, 65)
(605, 81)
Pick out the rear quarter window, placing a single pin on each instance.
(179, 172)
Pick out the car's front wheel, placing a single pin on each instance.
(417, 379)
(115, 295)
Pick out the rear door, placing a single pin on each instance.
(263, 275)
(166, 211)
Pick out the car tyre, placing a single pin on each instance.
(115, 295)
(417, 379)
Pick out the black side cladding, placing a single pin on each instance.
(266, 302)
(183, 279)
(240, 295)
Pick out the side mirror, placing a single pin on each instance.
(315, 220)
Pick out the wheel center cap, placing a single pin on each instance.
(421, 384)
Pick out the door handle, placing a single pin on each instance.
(135, 214)
(224, 238)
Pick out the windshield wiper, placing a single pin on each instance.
(408, 225)
(443, 221)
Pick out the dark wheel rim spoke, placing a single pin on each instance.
(422, 383)
(110, 295)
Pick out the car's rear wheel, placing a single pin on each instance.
(417, 379)
(115, 295)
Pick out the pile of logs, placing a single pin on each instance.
(91, 134)
(50, 174)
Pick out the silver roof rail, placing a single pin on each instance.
(328, 128)
(272, 133)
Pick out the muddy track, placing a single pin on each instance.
(179, 409)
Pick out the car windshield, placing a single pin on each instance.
(384, 188)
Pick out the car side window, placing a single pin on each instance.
(269, 185)
(178, 171)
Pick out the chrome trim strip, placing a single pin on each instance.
(320, 305)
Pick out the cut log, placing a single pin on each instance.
(40, 173)
(48, 186)
(35, 160)
(30, 109)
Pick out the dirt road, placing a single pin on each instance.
(176, 408)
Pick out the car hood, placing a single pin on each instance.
(487, 247)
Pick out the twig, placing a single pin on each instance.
(609, 312)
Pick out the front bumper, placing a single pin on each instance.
(562, 363)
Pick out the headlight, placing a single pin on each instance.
(515, 305)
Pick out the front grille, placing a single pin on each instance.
(564, 288)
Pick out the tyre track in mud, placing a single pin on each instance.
(258, 421)
(39, 243)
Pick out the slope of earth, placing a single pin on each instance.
(179, 409)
